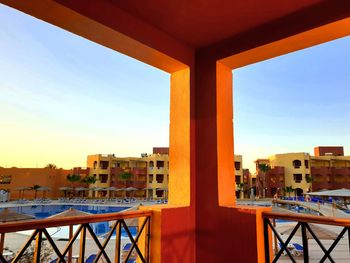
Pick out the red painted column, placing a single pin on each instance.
(223, 232)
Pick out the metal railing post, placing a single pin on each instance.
(305, 243)
(266, 240)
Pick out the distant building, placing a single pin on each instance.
(149, 173)
(238, 168)
(328, 169)
(13, 178)
(158, 172)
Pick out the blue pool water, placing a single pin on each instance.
(47, 210)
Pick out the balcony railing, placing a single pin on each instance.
(39, 227)
(303, 224)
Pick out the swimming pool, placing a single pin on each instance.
(47, 210)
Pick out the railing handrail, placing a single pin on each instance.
(76, 220)
(325, 220)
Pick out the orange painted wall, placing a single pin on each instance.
(27, 177)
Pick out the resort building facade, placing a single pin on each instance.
(238, 168)
(330, 169)
(149, 174)
(13, 179)
(327, 169)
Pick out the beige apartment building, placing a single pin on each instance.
(296, 169)
(157, 173)
(327, 169)
(149, 174)
(238, 168)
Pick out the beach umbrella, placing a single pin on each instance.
(65, 189)
(111, 188)
(120, 189)
(81, 189)
(44, 189)
(7, 215)
(71, 212)
(131, 189)
(22, 189)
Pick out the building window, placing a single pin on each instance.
(150, 178)
(238, 166)
(103, 178)
(104, 164)
(5, 179)
(296, 163)
(238, 179)
(306, 164)
(160, 178)
(160, 164)
(95, 164)
(298, 177)
(151, 165)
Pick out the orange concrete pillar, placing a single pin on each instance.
(223, 231)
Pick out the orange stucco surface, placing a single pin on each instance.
(199, 42)
(27, 177)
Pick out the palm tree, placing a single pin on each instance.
(309, 179)
(51, 166)
(35, 188)
(89, 180)
(289, 190)
(73, 178)
(240, 187)
(264, 168)
(125, 176)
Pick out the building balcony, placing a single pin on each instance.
(320, 170)
(139, 171)
(341, 171)
(316, 186)
(139, 184)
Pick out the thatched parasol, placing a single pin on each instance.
(22, 189)
(7, 215)
(71, 212)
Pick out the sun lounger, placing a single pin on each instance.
(91, 258)
(299, 250)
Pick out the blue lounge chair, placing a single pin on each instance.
(91, 258)
(299, 249)
(131, 260)
(127, 247)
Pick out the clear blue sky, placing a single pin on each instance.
(294, 102)
(63, 97)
